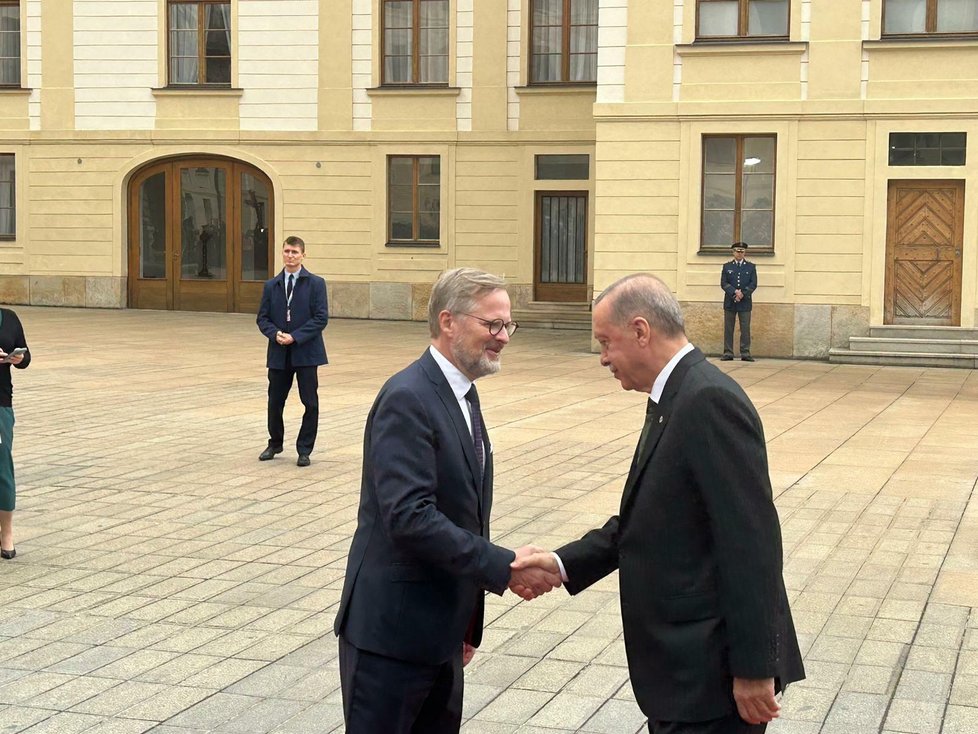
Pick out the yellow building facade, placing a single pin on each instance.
(154, 154)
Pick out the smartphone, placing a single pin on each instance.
(15, 353)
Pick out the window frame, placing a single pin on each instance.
(415, 241)
(565, 51)
(740, 139)
(12, 236)
(743, 16)
(201, 47)
(20, 46)
(930, 22)
(415, 47)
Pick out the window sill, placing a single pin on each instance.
(414, 245)
(931, 41)
(767, 252)
(197, 92)
(413, 90)
(571, 88)
(15, 90)
(738, 47)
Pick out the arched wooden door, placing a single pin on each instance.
(200, 235)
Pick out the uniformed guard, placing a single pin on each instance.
(738, 280)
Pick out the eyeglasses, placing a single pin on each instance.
(497, 325)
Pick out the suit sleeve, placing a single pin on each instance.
(751, 283)
(265, 324)
(725, 283)
(732, 476)
(319, 313)
(591, 558)
(404, 466)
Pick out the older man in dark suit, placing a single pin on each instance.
(411, 611)
(708, 632)
(293, 314)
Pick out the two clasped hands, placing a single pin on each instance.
(534, 572)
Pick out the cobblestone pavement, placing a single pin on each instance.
(167, 580)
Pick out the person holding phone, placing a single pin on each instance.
(13, 351)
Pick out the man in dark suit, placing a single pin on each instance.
(293, 314)
(411, 611)
(738, 278)
(708, 632)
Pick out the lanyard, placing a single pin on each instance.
(288, 294)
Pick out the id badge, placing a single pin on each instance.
(288, 315)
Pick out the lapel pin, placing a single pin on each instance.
(660, 419)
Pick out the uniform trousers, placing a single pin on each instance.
(729, 317)
(279, 386)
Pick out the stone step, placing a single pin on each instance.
(554, 315)
(904, 345)
(904, 331)
(903, 359)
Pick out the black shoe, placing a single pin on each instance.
(748, 358)
(303, 460)
(8, 555)
(726, 358)
(269, 453)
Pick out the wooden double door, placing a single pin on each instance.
(560, 246)
(200, 235)
(924, 236)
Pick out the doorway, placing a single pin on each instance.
(924, 235)
(200, 235)
(560, 247)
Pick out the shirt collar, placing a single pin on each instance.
(286, 274)
(459, 383)
(660, 382)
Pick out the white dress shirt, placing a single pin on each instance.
(459, 383)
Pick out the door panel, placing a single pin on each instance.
(560, 246)
(924, 235)
(199, 236)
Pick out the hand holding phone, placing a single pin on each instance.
(17, 352)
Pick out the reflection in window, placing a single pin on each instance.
(413, 200)
(9, 43)
(152, 227)
(203, 226)
(915, 17)
(572, 167)
(738, 191)
(415, 42)
(255, 207)
(200, 42)
(564, 38)
(742, 19)
(927, 149)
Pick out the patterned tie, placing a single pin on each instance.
(475, 412)
(288, 287)
(650, 413)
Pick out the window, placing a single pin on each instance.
(415, 41)
(742, 19)
(738, 191)
(573, 167)
(8, 197)
(413, 200)
(564, 37)
(200, 43)
(910, 17)
(927, 149)
(9, 43)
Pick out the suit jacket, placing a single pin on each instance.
(420, 557)
(734, 277)
(310, 314)
(698, 547)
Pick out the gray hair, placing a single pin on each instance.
(645, 295)
(457, 290)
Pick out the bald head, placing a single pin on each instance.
(647, 296)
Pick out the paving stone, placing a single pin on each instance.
(855, 712)
(514, 706)
(915, 717)
(922, 685)
(567, 710)
(960, 720)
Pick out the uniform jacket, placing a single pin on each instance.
(310, 314)
(733, 277)
(698, 547)
(420, 558)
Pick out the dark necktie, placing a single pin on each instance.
(475, 412)
(650, 414)
(288, 287)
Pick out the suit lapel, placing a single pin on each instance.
(660, 422)
(447, 397)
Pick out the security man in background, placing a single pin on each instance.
(738, 280)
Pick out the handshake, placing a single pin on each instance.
(534, 572)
